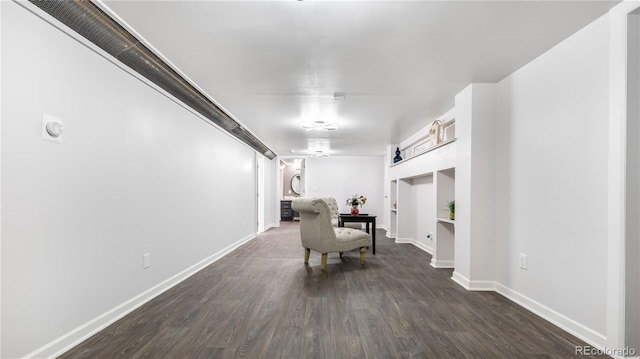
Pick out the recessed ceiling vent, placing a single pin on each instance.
(95, 25)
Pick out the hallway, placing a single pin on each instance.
(261, 301)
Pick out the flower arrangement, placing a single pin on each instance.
(356, 200)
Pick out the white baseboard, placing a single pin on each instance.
(482, 285)
(460, 279)
(416, 243)
(441, 263)
(69, 340)
(404, 240)
(567, 324)
(473, 285)
(271, 225)
(423, 246)
(390, 235)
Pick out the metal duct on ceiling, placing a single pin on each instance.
(88, 20)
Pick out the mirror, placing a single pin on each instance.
(295, 183)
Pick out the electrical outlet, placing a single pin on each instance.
(524, 262)
(146, 260)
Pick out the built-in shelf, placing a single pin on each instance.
(446, 220)
(422, 190)
(444, 143)
(444, 245)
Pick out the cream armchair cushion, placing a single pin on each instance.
(317, 232)
(335, 214)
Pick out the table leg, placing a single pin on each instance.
(373, 235)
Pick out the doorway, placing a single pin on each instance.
(292, 185)
(292, 172)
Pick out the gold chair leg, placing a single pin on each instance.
(323, 264)
(307, 253)
(362, 250)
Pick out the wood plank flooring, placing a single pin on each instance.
(262, 301)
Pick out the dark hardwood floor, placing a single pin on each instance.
(262, 301)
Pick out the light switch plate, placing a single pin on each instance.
(146, 260)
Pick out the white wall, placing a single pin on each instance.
(135, 173)
(552, 180)
(1, 89)
(385, 218)
(617, 170)
(344, 176)
(635, 339)
(271, 200)
(475, 185)
(425, 210)
(632, 285)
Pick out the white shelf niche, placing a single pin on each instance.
(443, 248)
(393, 222)
(416, 216)
(420, 142)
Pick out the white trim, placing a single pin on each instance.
(404, 240)
(0, 187)
(423, 246)
(260, 192)
(71, 339)
(442, 263)
(460, 279)
(474, 285)
(567, 324)
(416, 243)
(482, 286)
(617, 172)
(271, 225)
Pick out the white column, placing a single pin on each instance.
(475, 187)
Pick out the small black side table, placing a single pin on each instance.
(361, 218)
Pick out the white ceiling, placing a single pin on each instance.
(275, 64)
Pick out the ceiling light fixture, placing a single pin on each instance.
(319, 126)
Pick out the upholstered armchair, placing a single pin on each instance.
(317, 232)
(335, 214)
